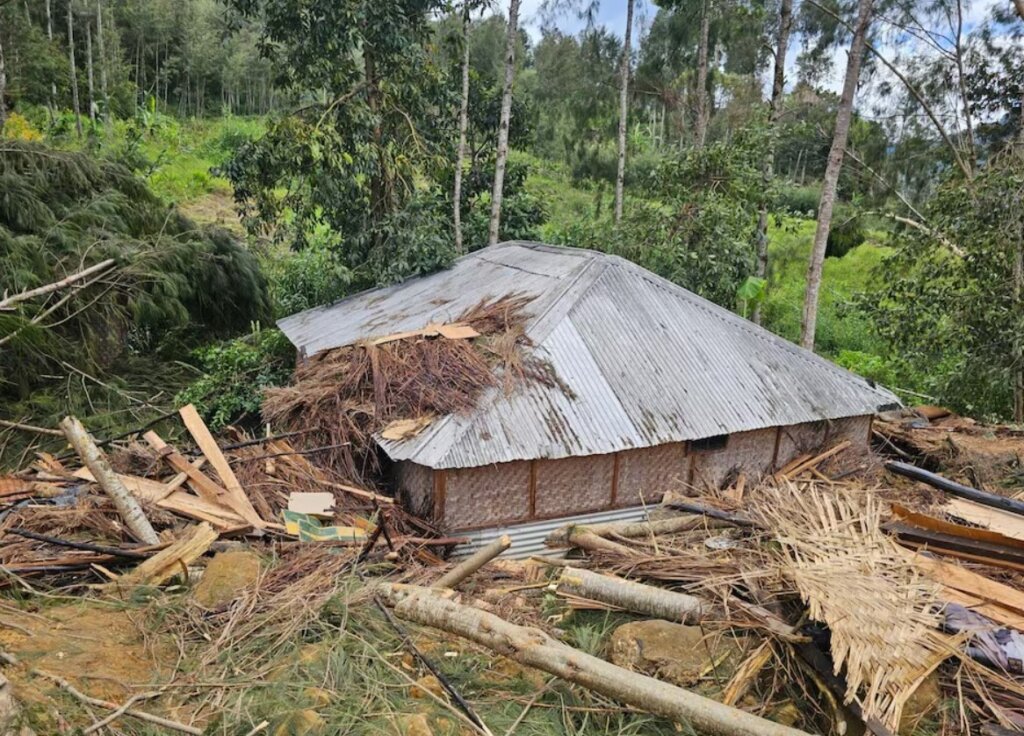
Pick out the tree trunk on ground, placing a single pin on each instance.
(74, 71)
(832, 169)
(534, 648)
(775, 112)
(473, 563)
(700, 125)
(631, 596)
(99, 466)
(89, 71)
(620, 177)
(460, 153)
(506, 116)
(631, 529)
(103, 60)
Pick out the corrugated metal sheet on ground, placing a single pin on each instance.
(647, 362)
(528, 539)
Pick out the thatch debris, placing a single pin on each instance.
(399, 385)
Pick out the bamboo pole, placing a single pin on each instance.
(473, 563)
(108, 480)
(534, 648)
(631, 596)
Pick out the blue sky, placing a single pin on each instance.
(612, 14)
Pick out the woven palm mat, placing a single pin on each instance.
(883, 615)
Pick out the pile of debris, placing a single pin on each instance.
(810, 602)
(164, 508)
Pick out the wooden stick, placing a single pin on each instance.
(119, 712)
(10, 301)
(474, 562)
(102, 549)
(816, 460)
(108, 480)
(31, 428)
(141, 715)
(631, 596)
(535, 648)
(583, 538)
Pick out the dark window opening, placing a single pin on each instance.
(709, 444)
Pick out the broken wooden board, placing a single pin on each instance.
(450, 331)
(239, 501)
(169, 562)
(180, 502)
(402, 429)
(314, 504)
(956, 530)
(996, 520)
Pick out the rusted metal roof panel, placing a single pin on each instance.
(645, 361)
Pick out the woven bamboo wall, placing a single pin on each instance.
(494, 495)
(857, 431)
(488, 495)
(799, 439)
(645, 474)
(574, 485)
(415, 484)
(745, 452)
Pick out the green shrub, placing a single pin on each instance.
(798, 200)
(236, 372)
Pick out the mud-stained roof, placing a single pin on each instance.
(645, 361)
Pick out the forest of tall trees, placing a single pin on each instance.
(364, 142)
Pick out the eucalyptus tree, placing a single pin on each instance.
(829, 184)
(774, 114)
(511, 40)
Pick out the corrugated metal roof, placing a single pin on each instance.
(647, 361)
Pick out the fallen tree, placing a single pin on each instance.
(631, 596)
(534, 648)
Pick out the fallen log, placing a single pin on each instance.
(629, 529)
(97, 462)
(473, 563)
(631, 596)
(585, 539)
(955, 489)
(534, 648)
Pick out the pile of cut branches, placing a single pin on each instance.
(353, 392)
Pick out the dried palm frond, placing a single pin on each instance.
(883, 615)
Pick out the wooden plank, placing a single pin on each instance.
(997, 520)
(199, 481)
(967, 581)
(957, 546)
(208, 445)
(957, 530)
(180, 502)
(169, 562)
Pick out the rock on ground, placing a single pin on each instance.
(679, 654)
(227, 575)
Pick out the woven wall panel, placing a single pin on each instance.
(800, 439)
(645, 474)
(487, 496)
(746, 452)
(574, 485)
(854, 429)
(415, 487)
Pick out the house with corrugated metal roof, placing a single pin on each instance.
(658, 389)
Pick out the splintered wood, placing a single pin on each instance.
(883, 614)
